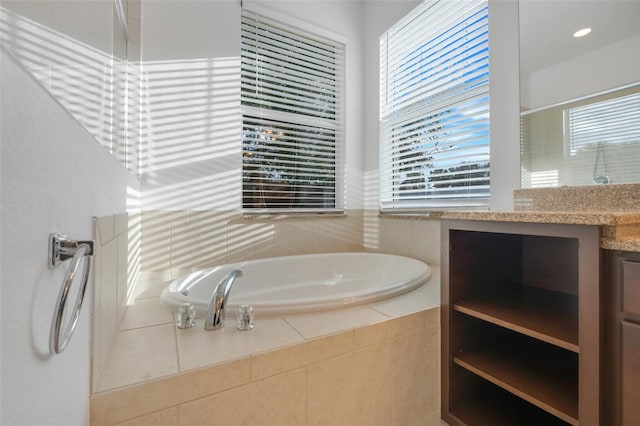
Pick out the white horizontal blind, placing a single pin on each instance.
(613, 121)
(434, 108)
(292, 104)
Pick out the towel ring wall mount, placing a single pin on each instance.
(61, 249)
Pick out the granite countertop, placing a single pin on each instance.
(572, 218)
(620, 230)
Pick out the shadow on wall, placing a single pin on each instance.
(89, 82)
(191, 132)
(181, 241)
(192, 176)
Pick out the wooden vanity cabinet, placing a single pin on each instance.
(622, 340)
(520, 324)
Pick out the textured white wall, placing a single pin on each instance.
(191, 123)
(55, 177)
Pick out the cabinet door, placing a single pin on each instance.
(630, 376)
(631, 288)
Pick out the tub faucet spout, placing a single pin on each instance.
(215, 313)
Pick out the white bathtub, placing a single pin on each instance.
(297, 284)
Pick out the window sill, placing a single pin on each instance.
(277, 217)
(426, 215)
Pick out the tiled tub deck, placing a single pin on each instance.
(376, 364)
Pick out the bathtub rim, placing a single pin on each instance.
(172, 299)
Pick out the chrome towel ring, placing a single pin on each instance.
(60, 249)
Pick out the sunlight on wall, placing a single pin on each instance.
(191, 134)
(371, 206)
(88, 82)
(134, 243)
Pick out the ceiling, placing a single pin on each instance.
(547, 27)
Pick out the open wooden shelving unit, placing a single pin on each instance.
(491, 405)
(521, 367)
(549, 316)
(520, 309)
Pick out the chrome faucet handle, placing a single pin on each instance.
(186, 316)
(245, 318)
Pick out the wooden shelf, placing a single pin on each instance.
(545, 315)
(543, 375)
(492, 406)
(521, 324)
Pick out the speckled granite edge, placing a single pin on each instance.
(594, 198)
(609, 241)
(624, 245)
(572, 218)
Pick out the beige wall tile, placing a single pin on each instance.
(294, 237)
(149, 397)
(121, 276)
(426, 241)
(155, 247)
(318, 324)
(395, 236)
(105, 229)
(275, 362)
(425, 297)
(333, 235)
(161, 418)
(108, 319)
(200, 240)
(179, 240)
(228, 408)
(248, 241)
(374, 378)
(331, 391)
(331, 346)
(96, 272)
(139, 355)
(371, 230)
(270, 363)
(145, 313)
(96, 361)
(352, 389)
(278, 400)
(391, 329)
(120, 223)
(433, 318)
(198, 348)
(150, 284)
(416, 362)
(435, 420)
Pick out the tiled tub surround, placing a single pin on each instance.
(183, 240)
(375, 364)
(115, 269)
(150, 362)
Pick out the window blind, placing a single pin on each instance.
(612, 121)
(434, 108)
(292, 105)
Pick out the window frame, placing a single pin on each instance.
(396, 113)
(289, 118)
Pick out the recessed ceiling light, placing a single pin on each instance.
(581, 33)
